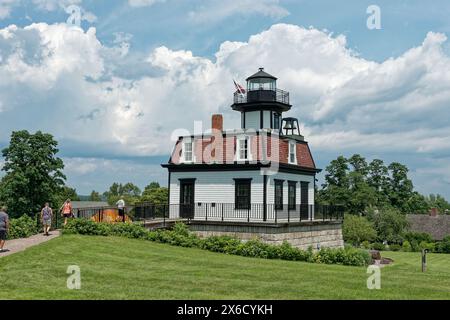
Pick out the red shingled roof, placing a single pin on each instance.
(207, 152)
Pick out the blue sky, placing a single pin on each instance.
(113, 92)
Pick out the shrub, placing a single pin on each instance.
(444, 245)
(406, 247)
(389, 224)
(395, 247)
(430, 246)
(417, 237)
(365, 245)
(22, 227)
(181, 236)
(378, 246)
(357, 229)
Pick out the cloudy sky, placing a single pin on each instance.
(113, 91)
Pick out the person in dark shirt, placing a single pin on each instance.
(4, 227)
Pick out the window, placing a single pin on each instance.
(276, 121)
(278, 194)
(243, 151)
(292, 152)
(188, 151)
(292, 196)
(242, 193)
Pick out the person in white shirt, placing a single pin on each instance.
(121, 206)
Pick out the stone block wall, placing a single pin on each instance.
(301, 235)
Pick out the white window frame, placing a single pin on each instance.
(238, 149)
(183, 152)
(292, 150)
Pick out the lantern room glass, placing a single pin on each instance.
(262, 84)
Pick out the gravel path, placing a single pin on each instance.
(22, 244)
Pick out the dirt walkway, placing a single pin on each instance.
(22, 244)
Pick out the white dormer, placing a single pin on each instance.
(292, 155)
(243, 148)
(187, 153)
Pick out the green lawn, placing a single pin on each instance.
(116, 268)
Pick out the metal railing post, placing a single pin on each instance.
(222, 211)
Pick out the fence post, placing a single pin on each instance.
(222, 211)
(206, 214)
(289, 214)
(248, 213)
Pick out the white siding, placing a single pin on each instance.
(289, 177)
(252, 120)
(215, 186)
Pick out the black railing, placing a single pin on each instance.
(228, 212)
(262, 96)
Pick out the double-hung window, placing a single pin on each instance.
(279, 194)
(292, 196)
(243, 148)
(188, 151)
(292, 152)
(242, 193)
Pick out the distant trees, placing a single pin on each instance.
(33, 173)
(155, 194)
(95, 196)
(128, 192)
(359, 185)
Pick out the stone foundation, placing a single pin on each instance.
(317, 234)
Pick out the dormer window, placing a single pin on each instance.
(243, 148)
(188, 151)
(292, 152)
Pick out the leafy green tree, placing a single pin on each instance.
(129, 192)
(95, 196)
(400, 188)
(389, 223)
(357, 229)
(438, 201)
(33, 172)
(336, 184)
(155, 194)
(378, 179)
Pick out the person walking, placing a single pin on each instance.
(66, 210)
(4, 227)
(121, 206)
(46, 217)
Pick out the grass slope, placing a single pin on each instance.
(117, 268)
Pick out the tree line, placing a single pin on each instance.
(360, 185)
(33, 175)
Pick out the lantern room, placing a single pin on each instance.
(261, 81)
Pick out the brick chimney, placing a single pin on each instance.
(217, 122)
(434, 212)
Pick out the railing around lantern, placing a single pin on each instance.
(262, 96)
(228, 212)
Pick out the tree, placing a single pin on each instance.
(357, 229)
(155, 194)
(95, 196)
(33, 172)
(400, 188)
(129, 192)
(63, 194)
(336, 184)
(389, 223)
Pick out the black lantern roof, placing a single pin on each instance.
(261, 74)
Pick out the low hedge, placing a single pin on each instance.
(181, 236)
(22, 227)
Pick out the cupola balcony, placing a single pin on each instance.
(262, 95)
